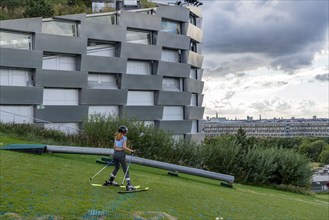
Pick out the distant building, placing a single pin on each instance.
(316, 127)
(320, 180)
(99, 5)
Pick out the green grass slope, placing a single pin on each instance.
(56, 186)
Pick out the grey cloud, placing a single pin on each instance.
(236, 64)
(291, 62)
(286, 32)
(274, 84)
(228, 95)
(271, 105)
(322, 77)
(307, 107)
(261, 106)
(283, 107)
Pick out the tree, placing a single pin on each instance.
(39, 8)
(313, 149)
(324, 155)
(11, 4)
(241, 138)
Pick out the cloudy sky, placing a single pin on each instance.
(265, 57)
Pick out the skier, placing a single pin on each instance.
(119, 157)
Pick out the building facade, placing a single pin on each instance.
(145, 64)
(315, 127)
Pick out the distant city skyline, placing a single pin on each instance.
(267, 57)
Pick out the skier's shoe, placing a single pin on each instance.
(130, 188)
(110, 183)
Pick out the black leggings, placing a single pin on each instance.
(119, 157)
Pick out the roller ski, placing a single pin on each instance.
(110, 183)
(132, 189)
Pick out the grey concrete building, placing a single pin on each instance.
(144, 63)
(294, 127)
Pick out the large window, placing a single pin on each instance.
(170, 27)
(96, 48)
(172, 84)
(103, 19)
(59, 62)
(194, 46)
(15, 77)
(171, 55)
(140, 98)
(194, 100)
(15, 40)
(104, 110)
(67, 128)
(139, 37)
(139, 67)
(130, 2)
(192, 19)
(173, 113)
(16, 114)
(193, 73)
(103, 81)
(56, 27)
(194, 128)
(60, 97)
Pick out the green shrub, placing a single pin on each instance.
(324, 156)
(257, 165)
(221, 155)
(39, 8)
(312, 149)
(292, 168)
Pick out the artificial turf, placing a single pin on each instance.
(57, 186)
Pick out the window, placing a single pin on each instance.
(193, 46)
(59, 62)
(193, 73)
(149, 123)
(60, 97)
(101, 49)
(15, 40)
(139, 37)
(140, 98)
(103, 81)
(65, 28)
(106, 110)
(15, 77)
(139, 67)
(130, 2)
(194, 100)
(172, 84)
(178, 137)
(16, 114)
(170, 27)
(173, 113)
(194, 128)
(170, 55)
(67, 128)
(192, 19)
(104, 19)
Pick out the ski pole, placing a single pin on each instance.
(127, 169)
(101, 170)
